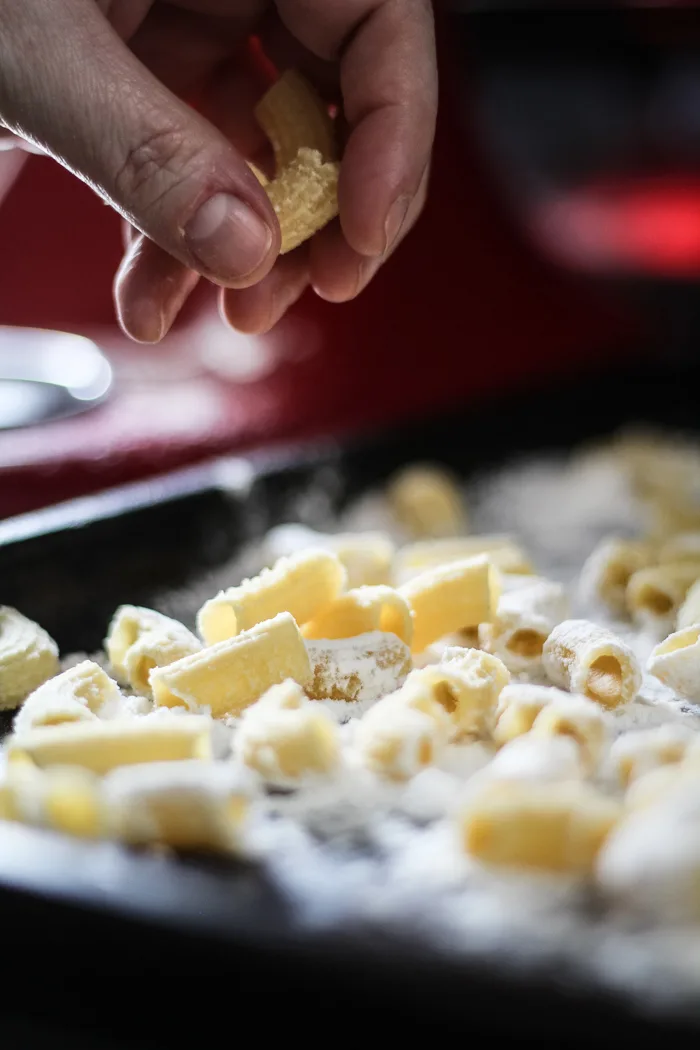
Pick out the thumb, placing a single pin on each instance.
(69, 84)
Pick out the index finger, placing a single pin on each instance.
(388, 78)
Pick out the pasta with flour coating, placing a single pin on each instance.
(231, 675)
(449, 598)
(637, 753)
(591, 660)
(519, 705)
(676, 662)
(78, 694)
(607, 571)
(301, 585)
(524, 824)
(140, 639)
(578, 718)
(285, 737)
(427, 502)
(655, 595)
(525, 617)
(367, 556)
(361, 611)
(364, 667)
(504, 553)
(28, 657)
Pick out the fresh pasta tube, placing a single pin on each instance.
(102, 746)
(194, 805)
(502, 551)
(592, 661)
(529, 757)
(361, 611)
(62, 798)
(519, 705)
(446, 599)
(578, 718)
(285, 737)
(301, 585)
(676, 662)
(231, 675)
(140, 639)
(78, 694)
(366, 556)
(654, 595)
(293, 115)
(474, 680)
(525, 617)
(635, 754)
(28, 657)
(427, 502)
(361, 668)
(689, 612)
(528, 825)
(606, 573)
(404, 733)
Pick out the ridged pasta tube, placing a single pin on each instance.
(364, 667)
(75, 695)
(637, 753)
(608, 569)
(231, 675)
(361, 611)
(525, 617)
(28, 657)
(451, 597)
(676, 662)
(655, 595)
(592, 661)
(427, 502)
(505, 554)
(301, 585)
(140, 639)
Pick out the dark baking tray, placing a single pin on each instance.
(73, 914)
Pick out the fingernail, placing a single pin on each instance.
(395, 220)
(228, 238)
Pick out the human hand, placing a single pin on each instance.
(100, 85)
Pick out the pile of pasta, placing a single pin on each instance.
(436, 640)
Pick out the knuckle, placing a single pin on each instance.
(155, 166)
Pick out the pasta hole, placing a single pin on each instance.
(425, 753)
(445, 697)
(655, 601)
(604, 680)
(145, 666)
(526, 643)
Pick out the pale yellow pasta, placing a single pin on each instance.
(655, 595)
(591, 660)
(529, 757)
(285, 737)
(648, 789)
(79, 694)
(524, 620)
(301, 585)
(519, 705)
(689, 612)
(474, 681)
(451, 597)
(502, 551)
(607, 571)
(427, 502)
(28, 657)
(684, 546)
(140, 639)
(367, 556)
(187, 805)
(362, 668)
(101, 746)
(361, 611)
(403, 733)
(62, 798)
(578, 718)
(676, 662)
(530, 825)
(231, 675)
(637, 753)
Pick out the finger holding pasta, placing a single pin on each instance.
(525, 617)
(301, 585)
(28, 657)
(79, 694)
(285, 737)
(451, 597)
(591, 660)
(427, 502)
